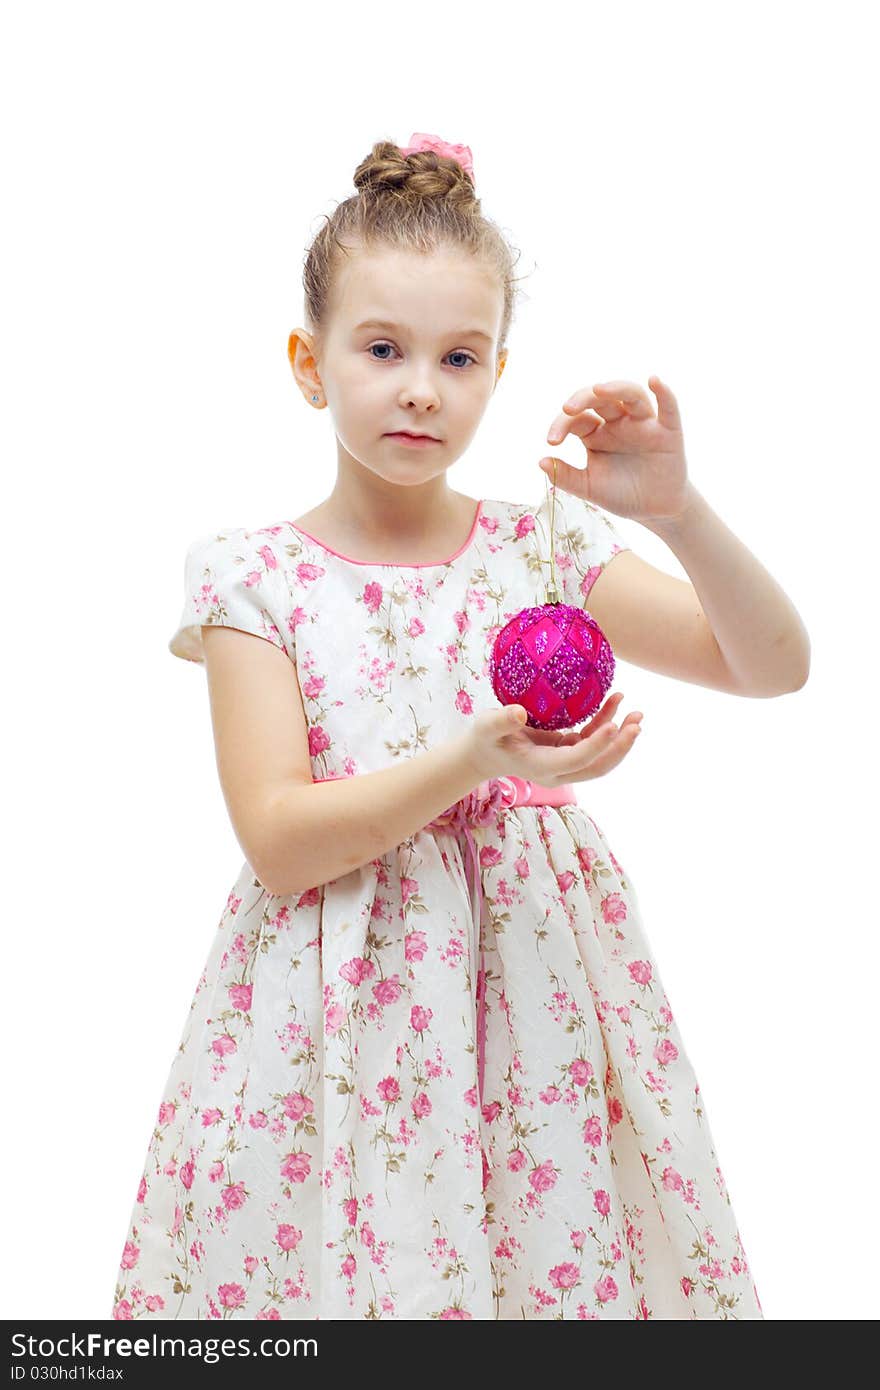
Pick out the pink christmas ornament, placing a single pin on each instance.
(554, 659)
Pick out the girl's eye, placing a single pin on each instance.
(458, 352)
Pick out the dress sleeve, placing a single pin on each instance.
(230, 580)
(586, 539)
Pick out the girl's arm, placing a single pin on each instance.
(317, 832)
(760, 633)
(734, 629)
(296, 833)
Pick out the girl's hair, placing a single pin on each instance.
(420, 202)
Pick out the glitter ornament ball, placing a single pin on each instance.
(555, 661)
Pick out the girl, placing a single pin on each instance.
(430, 1070)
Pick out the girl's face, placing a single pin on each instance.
(411, 346)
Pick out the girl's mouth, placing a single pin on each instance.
(415, 440)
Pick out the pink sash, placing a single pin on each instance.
(479, 807)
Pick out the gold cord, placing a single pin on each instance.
(551, 594)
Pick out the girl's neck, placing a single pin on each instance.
(419, 541)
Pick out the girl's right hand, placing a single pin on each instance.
(501, 744)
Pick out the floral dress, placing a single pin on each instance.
(320, 1150)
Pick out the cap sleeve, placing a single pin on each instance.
(586, 539)
(230, 580)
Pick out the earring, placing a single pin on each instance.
(314, 398)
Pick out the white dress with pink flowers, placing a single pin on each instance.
(319, 1146)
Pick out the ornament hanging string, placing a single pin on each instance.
(551, 593)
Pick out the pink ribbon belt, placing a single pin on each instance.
(478, 808)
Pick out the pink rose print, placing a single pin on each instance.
(296, 1166)
(389, 1090)
(605, 1289)
(231, 1296)
(408, 888)
(416, 947)
(672, 1181)
(357, 970)
(387, 991)
(240, 997)
(564, 1276)
(543, 1177)
(296, 1105)
(613, 909)
(313, 687)
(334, 1019)
(307, 574)
(593, 1131)
(372, 597)
(419, 1018)
(319, 740)
(130, 1255)
(288, 1237)
(641, 971)
(581, 1072)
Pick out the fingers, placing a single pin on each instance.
(557, 738)
(585, 422)
(611, 400)
(614, 748)
(603, 748)
(627, 397)
(573, 480)
(667, 406)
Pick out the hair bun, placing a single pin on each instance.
(425, 173)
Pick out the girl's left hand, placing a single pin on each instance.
(636, 464)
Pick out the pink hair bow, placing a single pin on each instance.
(420, 141)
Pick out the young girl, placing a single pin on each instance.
(430, 1070)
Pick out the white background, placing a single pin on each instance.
(693, 194)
